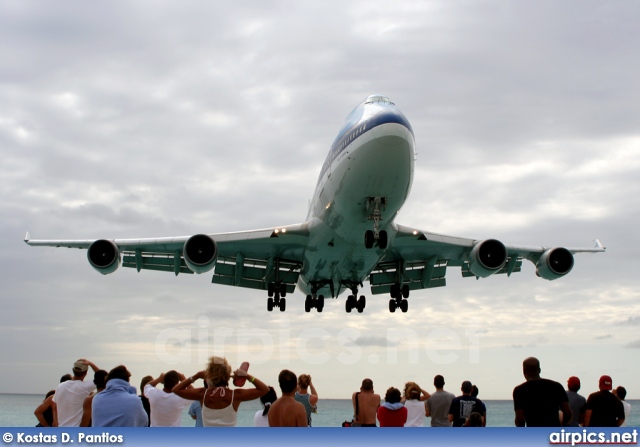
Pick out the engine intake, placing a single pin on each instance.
(487, 257)
(200, 253)
(104, 256)
(554, 264)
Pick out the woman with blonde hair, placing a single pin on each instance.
(219, 402)
(414, 398)
(302, 395)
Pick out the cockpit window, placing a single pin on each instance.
(378, 99)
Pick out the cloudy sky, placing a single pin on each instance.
(122, 120)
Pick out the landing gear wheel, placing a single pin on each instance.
(283, 289)
(392, 305)
(405, 291)
(368, 239)
(320, 303)
(307, 304)
(283, 304)
(270, 289)
(404, 306)
(383, 239)
(348, 305)
(270, 304)
(395, 291)
(362, 302)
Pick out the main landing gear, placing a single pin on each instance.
(313, 301)
(375, 206)
(276, 293)
(352, 300)
(354, 303)
(399, 295)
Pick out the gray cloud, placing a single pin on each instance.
(603, 337)
(633, 344)
(631, 321)
(372, 341)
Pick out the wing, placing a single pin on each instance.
(252, 259)
(418, 259)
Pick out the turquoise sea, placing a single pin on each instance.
(16, 410)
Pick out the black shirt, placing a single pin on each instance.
(462, 406)
(540, 399)
(606, 409)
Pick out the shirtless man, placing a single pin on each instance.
(368, 403)
(286, 411)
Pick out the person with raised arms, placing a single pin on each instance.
(219, 402)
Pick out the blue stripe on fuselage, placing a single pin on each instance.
(374, 115)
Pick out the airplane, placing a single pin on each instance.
(349, 236)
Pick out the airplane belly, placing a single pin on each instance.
(335, 263)
(381, 166)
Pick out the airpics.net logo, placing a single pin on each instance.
(317, 345)
(586, 437)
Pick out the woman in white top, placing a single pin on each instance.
(219, 402)
(261, 418)
(414, 398)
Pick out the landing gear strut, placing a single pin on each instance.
(375, 206)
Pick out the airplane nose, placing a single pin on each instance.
(392, 136)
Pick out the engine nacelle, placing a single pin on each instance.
(554, 263)
(104, 256)
(200, 253)
(487, 257)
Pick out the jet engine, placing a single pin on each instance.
(104, 256)
(554, 263)
(200, 253)
(487, 257)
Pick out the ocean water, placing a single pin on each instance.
(16, 410)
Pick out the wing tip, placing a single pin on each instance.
(27, 237)
(599, 244)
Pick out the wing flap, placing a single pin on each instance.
(516, 268)
(378, 290)
(163, 262)
(417, 275)
(256, 273)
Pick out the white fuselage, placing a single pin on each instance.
(373, 156)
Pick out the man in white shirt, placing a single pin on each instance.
(70, 395)
(166, 407)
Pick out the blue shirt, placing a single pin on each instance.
(117, 407)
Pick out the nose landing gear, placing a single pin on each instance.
(375, 206)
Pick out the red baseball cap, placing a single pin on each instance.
(606, 383)
(573, 382)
